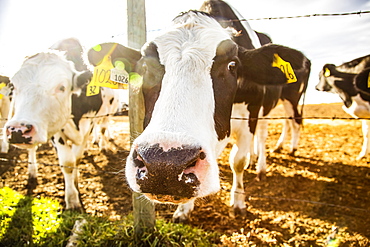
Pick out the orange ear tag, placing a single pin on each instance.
(368, 81)
(285, 67)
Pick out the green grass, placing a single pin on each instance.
(27, 221)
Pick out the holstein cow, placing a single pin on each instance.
(110, 97)
(5, 92)
(341, 80)
(50, 102)
(267, 98)
(192, 75)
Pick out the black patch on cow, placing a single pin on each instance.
(223, 13)
(61, 141)
(17, 137)
(82, 104)
(224, 81)
(152, 71)
(361, 84)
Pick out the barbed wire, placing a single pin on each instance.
(252, 118)
(278, 18)
(310, 15)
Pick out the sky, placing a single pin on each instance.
(28, 27)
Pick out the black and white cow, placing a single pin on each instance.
(192, 75)
(50, 102)
(341, 80)
(5, 99)
(261, 105)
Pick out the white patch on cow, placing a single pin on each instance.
(187, 51)
(291, 126)
(361, 109)
(241, 153)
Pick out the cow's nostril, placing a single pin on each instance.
(189, 178)
(141, 173)
(138, 162)
(29, 129)
(202, 155)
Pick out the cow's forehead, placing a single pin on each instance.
(194, 36)
(44, 68)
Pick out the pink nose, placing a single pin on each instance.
(20, 134)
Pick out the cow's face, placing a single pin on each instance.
(174, 159)
(334, 81)
(42, 98)
(190, 77)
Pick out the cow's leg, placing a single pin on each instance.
(67, 161)
(4, 109)
(293, 125)
(239, 158)
(86, 127)
(261, 138)
(366, 134)
(183, 211)
(32, 170)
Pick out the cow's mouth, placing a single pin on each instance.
(167, 198)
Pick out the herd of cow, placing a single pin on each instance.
(200, 80)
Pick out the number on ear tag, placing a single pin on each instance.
(120, 75)
(285, 67)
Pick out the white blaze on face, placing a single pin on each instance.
(184, 111)
(42, 94)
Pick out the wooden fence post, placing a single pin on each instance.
(143, 209)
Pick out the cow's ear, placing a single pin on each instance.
(259, 65)
(117, 52)
(81, 79)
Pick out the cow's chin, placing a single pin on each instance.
(168, 199)
(24, 146)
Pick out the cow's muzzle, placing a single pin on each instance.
(168, 175)
(20, 134)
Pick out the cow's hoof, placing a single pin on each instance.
(292, 153)
(261, 176)
(360, 157)
(277, 149)
(239, 213)
(183, 220)
(76, 209)
(31, 185)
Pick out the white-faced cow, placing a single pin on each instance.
(50, 102)
(192, 75)
(341, 80)
(5, 99)
(267, 98)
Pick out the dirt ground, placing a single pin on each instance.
(302, 200)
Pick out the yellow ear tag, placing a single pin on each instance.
(368, 81)
(101, 77)
(2, 85)
(327, 72)
(119, 74)
(285, 67)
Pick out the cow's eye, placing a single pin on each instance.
(62, 88)
(232, 66)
